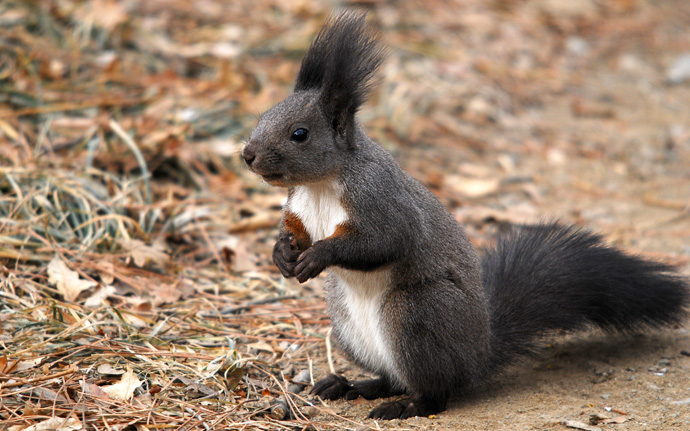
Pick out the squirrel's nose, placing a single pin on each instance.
(249, 155)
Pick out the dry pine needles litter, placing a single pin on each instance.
(128, 297)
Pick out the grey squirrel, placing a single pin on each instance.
(410, 299)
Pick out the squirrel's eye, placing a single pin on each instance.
(300, 135)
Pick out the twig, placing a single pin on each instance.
(69, 106)
(72, 369)
(329, 352)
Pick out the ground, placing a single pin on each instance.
(509, 111)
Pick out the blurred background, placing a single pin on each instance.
(121, 123)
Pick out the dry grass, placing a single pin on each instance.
(128, 296)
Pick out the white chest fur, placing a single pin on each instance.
(319, 208)
(357, 295)
(361, 328)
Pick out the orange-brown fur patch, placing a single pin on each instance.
(340, 230)
(293, 225)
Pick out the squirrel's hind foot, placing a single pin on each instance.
(333, 387)
(407, 408)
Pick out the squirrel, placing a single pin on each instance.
(410, 299)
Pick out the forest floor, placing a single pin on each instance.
(136, 286)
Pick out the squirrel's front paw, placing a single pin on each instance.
(285, 254)
(311, 263)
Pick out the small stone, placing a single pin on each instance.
(299, 382)
(582, 9)
(679, 71)
(629, 63)
(479, 110)
(576, 46)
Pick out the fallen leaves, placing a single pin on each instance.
(52, 424)
(124, 389)
(99, 296)
(143, 254)
(67, 281)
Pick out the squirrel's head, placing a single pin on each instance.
(306, 137)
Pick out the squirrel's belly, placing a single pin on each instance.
(357, 319)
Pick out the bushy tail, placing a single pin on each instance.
(546, 277)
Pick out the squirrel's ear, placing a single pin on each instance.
(342, 61)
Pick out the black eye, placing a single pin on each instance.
(300, 135)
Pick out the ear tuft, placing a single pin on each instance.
(343, 62)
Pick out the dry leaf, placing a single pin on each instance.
(243, 259)
(616, 420)
(108, 370)
(29, 364)
(124, 391)
(195, 389)
(103, 13)
(105, 271)
(52, 424)
(164, 293)
(48, 394)
(94, 390)
(142, 254)
(67, 281)
(472, 187)
(262, 346)
(580, 426)
(98, 297)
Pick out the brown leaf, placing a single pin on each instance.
(243, 261)
(143, 254)
(67, 281)
(94, 390)
(616, 420)
(164, 293)
(52, 424)
(99, 296)
(108, 370)
(48, 394)
(124, 390)
(472, 187)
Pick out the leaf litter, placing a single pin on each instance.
(136, 288)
